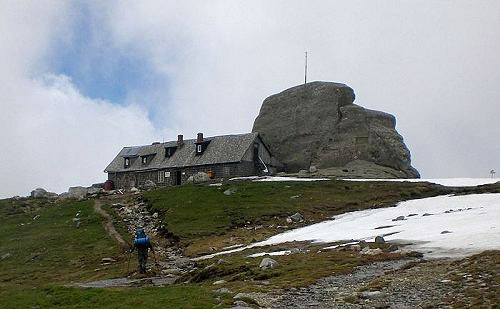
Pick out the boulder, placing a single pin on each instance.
(94, 190)
(268, 263)
(297, 217)
(42, 193)
(199, 177)
(317, 124)
(149, 185)
(379, 240)
(77, 192)
(230, 191)
(313, 169)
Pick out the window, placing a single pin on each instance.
(127, 162)
(161, 176)
(144, 160)
(199, 148)
(169, 151)
(167, 174)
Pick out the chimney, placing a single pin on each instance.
(199, 139)
(180, 140)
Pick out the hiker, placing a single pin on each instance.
(142, 243)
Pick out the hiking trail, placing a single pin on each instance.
(108, 225)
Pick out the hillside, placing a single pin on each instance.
(50, 248)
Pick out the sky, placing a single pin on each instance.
(81, 79)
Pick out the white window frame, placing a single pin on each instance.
(144, 160)
(198, 148)
(161, 176)
(127, 162)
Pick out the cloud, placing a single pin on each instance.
(52, 135)
(211, 64)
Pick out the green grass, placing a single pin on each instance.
(49, 252)
(178, 296)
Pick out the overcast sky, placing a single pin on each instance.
(80, 79)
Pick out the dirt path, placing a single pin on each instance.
(108, 225)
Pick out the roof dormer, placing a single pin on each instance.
(201, 144)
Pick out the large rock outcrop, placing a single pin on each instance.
(317, 124)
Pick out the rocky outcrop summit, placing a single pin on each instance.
(318, 125)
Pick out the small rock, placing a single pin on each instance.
(426, 214)
(368, 251)
(219, 282)
(379, 240)
(289, 220)
(36, 217)
(297, 217)
(108, 260)
(268, 263)
(149, 185)
(355, 248)
(155, 215)
(134, 190)
(371, 294)
(411, 215)
(400, 218)
(313, 169)
(230, 191)
(4, 256)
(223, 291)
(445, 232)
(295, 196)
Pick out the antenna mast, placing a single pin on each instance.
(305, 71)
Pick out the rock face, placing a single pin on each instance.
(318, 125)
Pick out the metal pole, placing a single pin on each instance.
(305, 71)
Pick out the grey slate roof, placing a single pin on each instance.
(221, 149)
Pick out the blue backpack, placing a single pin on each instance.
(141, 239)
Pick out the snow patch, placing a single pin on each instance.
(276, 253)
(473, 220)
(447, 182)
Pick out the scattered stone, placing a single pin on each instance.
(426, 214)
(289, 220)
(155, 215)
(400, 218)
(219, 282)
(371, 294)
(223, 291)
(356, 248)
(108, 260)
(445, 232)
(379, 240)
(268, 263)
(368, 251)
(230, 191)
(412, 215)
(134, 190)
(297, 217)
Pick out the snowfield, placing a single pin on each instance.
(447, 182)
(443, 226)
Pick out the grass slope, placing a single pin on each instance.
(42, 249)
(201, 216)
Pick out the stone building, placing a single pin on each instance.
(172, 163)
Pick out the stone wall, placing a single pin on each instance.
(130, 179)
